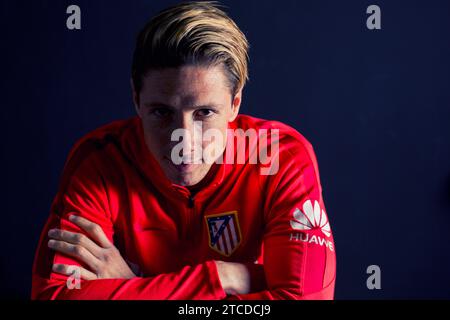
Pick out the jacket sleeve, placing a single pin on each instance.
(299, 255)
(82, 192)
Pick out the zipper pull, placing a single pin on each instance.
(191, 202)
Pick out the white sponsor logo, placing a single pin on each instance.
(312, 217)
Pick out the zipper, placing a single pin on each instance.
(191, 201)
(189, 215)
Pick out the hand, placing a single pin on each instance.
(102, 257)
(235, 277)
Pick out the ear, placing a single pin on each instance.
(135, 98)
(237, 99)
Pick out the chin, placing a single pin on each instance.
(186, 176)
(181, 179)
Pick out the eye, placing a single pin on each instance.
(161, 112)
(204, 113)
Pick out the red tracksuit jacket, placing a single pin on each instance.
(173, 236)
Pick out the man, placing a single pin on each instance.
(140, 214)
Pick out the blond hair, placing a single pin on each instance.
(197, 33)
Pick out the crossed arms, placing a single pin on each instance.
(82, 235)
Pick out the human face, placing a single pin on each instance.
(175, 98)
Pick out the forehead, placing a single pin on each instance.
(186, 84)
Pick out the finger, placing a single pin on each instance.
(75, 238)
(93, 229)
(76, 251)
(73, 270)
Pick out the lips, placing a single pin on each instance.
(182, 167)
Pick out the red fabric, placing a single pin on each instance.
(112, 179)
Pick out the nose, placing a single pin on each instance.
(185, 121)
(191, 132)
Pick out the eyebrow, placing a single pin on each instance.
(203, 106)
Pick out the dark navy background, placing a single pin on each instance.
(375, 105)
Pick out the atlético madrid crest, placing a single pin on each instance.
(224, 232)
